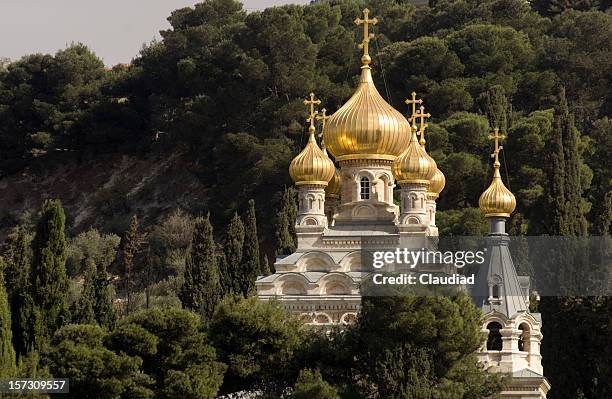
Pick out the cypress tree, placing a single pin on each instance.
(557, 205)
(84, 307)
(49, 282)
(564, 122)
(250, 252)
(18, 256)
(201, 290)
(132, 244)
(265, 267)
(7, 352)
(224, 278)
(494, 104)
(234, 243)
(103, 300)
(285, 224)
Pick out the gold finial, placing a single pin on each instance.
(414, 103)
(422, 116)
(497, 200)
(497, 137)
(365, 59)
(312, 115)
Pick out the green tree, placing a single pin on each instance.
(577, 207)
(174, 350)
(91, 247)
(7, 351)
(234, 245)
(17, 253)
(421, 347)
(132, 245)
(49, 282)
(310, 385)
(494, 104)
(78, 353)
(265, 267)
(285, 223)
(201, 290)
(260, 342)
(104, 311)
(250, 253)
(83, 312)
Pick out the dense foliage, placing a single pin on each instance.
(222, 92)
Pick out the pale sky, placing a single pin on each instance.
(114, 29)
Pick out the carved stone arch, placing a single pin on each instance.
(293, 288)
(309, 221)
(306, 318)
(387, 189)
(410, 219)
(524, 338)
(364, 211)
(316, 261)
(352, 262)
(293, 284)
(322, 318)
(348, 318)
(336, 284)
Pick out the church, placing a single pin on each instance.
(349, 209)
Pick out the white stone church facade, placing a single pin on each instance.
(344, 210)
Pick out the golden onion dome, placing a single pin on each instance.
(436, 184)
(333, 188)
(414, 165)
(497, 200)
(366, 127)
(311, 166)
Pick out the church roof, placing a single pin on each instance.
(498, 269)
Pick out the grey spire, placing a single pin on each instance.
(497, 286)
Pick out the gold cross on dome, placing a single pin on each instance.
(323, 118)
(366, 21)
(497, 137)
(312, 115)
(422, 116)
(414, 103)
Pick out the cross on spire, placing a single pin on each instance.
(323, 118)
(366, 21)
(414, 103)
(422, 116)
(312, 115)
(496, 137)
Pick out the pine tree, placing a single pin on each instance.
(7, 351)
(285, 224)
(84, 307)
(132, 245)
(18, 257)
(494, 104)
(201, 290)
(250, 253)
(234, 243)
(49, 282)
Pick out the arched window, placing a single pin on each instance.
(494, 341)
(495, 292)
(523, 342)
(364, 188)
